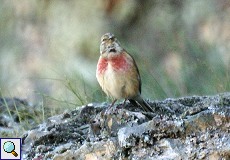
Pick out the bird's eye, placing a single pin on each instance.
(104, 39)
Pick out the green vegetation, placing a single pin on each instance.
(49, 51)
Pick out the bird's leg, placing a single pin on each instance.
(121, 105)
(124, 102)
(112, 103)
(109, 108)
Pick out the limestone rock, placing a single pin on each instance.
(185, 128)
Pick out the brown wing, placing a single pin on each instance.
(139, 77)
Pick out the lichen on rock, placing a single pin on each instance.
(185, 128)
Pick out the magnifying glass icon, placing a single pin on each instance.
(9, 147)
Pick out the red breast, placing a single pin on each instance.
(118, 62)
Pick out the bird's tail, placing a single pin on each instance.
(142, 103)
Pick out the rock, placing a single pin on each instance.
(184, 128)
(15, 115)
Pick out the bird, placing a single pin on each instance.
(117, 73)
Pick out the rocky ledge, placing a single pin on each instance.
(185, 128)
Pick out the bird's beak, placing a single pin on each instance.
(109, 43)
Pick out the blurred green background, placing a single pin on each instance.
(49, 48)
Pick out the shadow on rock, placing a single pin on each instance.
(185, 128)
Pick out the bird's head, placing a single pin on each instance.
(110, 46)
